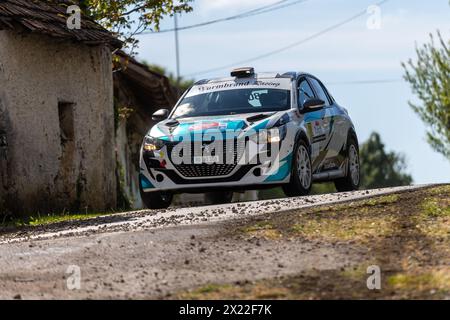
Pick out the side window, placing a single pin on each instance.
(304, 92)
(320, 92)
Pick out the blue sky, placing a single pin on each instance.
(349, 53)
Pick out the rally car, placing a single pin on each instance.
(245, 132)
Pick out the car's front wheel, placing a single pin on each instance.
(301, 175)
(352, 179)
(156, 199)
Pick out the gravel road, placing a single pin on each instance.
(151, 219)
(152, 254)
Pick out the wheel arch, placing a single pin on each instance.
(301, 135)
(352, 134)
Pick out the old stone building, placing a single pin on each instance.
(56, 111)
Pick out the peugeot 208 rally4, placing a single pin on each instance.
(249, 131)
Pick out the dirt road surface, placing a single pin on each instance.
(241, 250)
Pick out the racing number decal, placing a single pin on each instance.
(254, 96)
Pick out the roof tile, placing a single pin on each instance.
(49, 17)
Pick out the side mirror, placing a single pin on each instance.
(313, 105)
(160, 115)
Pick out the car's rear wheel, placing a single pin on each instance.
(156, 199)
(218, 197)
(301, 175)
(352, 179)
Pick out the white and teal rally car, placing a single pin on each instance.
(249, 131)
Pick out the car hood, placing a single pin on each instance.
(172, 130)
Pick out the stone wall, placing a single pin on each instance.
(56, 125)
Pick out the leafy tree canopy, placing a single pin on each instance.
(380, 168)
(429, 78)
(128, 18)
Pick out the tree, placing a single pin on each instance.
(429, 78)
(128, 18)
(380, 168)
(181, 84)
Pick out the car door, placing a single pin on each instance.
(332, 126)
(313, 122)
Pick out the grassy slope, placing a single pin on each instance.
(407, 235)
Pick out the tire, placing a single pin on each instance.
(353, 176)
(301, 174)
(218, 197)
(156, 200)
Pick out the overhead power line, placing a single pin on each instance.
(264, 9)
(290, 46)
(376, 81)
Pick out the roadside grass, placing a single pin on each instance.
(48, 219)
(346, 228)
(255, 291)
(362, 220)
(434, 217)
(392, 198)
(263, 230)
(406, 234)
(433, 281)
(436, 208)
(349, 221)
(329, 284)
(55, 218)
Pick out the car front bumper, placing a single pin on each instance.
(168, 177)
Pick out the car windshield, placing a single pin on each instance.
(237, 101)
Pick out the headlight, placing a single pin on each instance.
(276, 135)
(273, 135)
(152, 144)
(274, 138)
(278, 130)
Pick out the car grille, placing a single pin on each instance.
(215, 169)
(205, 170)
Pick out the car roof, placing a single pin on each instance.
(259, 75)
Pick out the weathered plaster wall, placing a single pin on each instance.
(36, 174)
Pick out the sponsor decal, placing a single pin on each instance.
(284, 84)
(318, 129)
(206, 126)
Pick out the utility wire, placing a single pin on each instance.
(264, 9)
(376, 81)
(290, 46)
